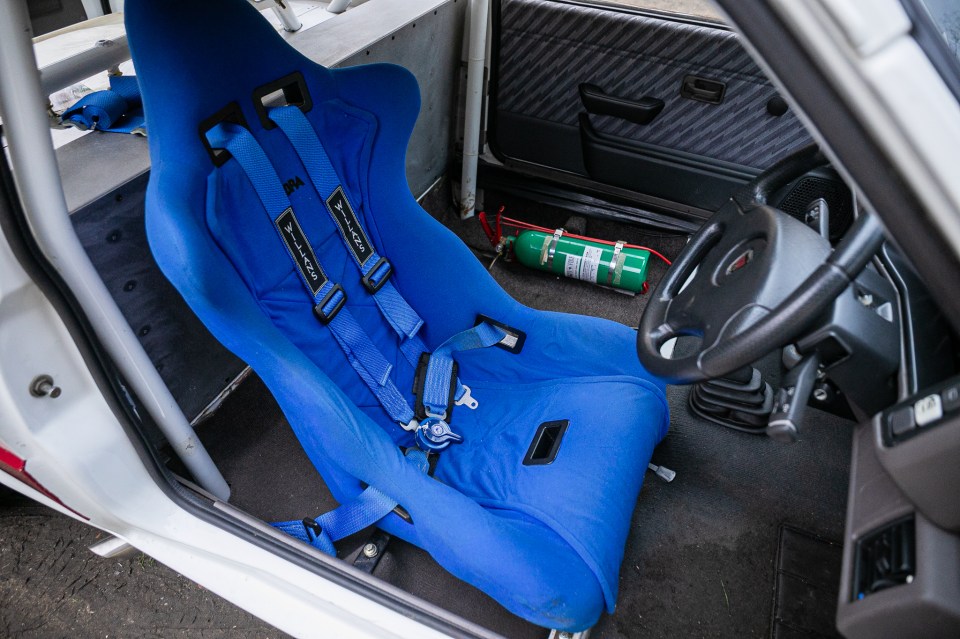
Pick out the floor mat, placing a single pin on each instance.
(413, 570)
(194, 366)
(808, 576)
(270, 475)
(701, 557)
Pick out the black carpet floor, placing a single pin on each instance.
(701, 559)
(194, 366)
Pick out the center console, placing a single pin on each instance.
(901, 557)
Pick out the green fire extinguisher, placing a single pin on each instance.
(617, 265)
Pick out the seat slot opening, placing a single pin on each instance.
(546, 443)
(290, 90)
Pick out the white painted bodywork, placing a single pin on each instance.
(76, 448)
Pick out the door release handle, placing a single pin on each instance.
(702, 89)
(641, 111)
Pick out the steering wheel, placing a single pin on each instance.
(750, 280)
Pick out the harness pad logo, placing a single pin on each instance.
(300, 250)
(292, 185)
(349, 225)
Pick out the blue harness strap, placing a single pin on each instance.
(365, 510)
(375, 270)
(436, 387)
(118, 109)
(329, 299)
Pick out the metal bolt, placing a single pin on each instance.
(370, 551)
(866, 299)
(564, 635)
(820, 394)
(42, 386)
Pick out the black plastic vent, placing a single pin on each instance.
(885, 558)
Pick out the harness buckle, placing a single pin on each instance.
(420, 379)
(323, 316)
(434, 434)
(467, 399)
(368, 280)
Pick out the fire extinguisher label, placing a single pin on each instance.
(584, 268)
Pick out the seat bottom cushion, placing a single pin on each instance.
(585, 495)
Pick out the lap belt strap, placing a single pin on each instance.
(366, 509)
(438, 381)
(118, 109)
(375, 270)
(329, 299)
(436, 386)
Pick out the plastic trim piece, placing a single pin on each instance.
(295, 93)
(546, 443)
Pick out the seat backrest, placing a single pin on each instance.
(199, 62)
(215, 242)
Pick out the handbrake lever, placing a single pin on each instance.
(790, 402)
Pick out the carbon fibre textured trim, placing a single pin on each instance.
(547, 49)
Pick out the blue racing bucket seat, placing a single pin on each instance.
(513, 441)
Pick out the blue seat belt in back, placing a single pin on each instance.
(365, 510)
(329, 298)
(118, 109)
(375, 270)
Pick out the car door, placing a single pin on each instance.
(623, 100)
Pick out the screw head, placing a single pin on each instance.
(43, 386)
(370, 551)
(820, 394)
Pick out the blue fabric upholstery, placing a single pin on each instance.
(546, 541)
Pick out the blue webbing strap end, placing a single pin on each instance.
(365, 510)
(118, 109)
